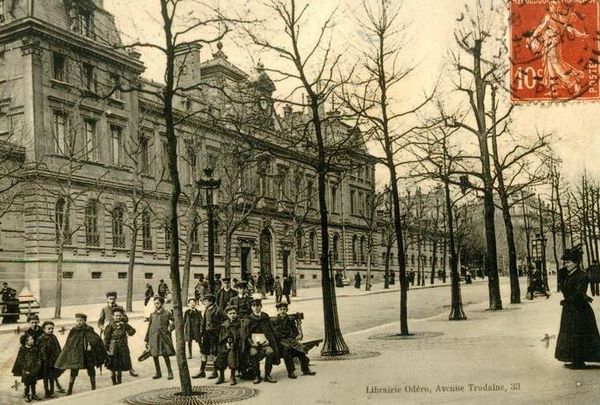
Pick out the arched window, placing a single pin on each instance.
(117, 227)
(362, 249)
(146, 230)
(299, 244)
(355, 249)
(92, 237)
(61, 221)
(313, 245)
(336, 241)
(412, 260)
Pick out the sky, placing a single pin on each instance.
(429, 28)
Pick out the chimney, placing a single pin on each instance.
(187, 64)
(287, 111)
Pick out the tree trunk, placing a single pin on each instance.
(227, 254)
(293, 269)
(433, 262)
(187, 268)
(131, 265)
(495, 299)
(368, 281)
(59, 280)
(168, 94)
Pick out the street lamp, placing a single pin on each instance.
(539, 256)
(209, 185)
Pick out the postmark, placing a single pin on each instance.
(554, 50)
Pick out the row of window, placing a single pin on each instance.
(88, 76)
(98, 275)
(92, 233)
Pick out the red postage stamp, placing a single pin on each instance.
(554, 50)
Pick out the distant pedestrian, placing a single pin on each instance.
(11, 306)
(198, 289)
(578, 339)
(83, 349)
(270, 284)
(357, 280)
(158, 337)
(149, 294)
(115, 342)
(594, 276)
(392, 277)
(27, 366)
(286, 290)
(278, 289)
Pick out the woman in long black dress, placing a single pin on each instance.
(578, 339)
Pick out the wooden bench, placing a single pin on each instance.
(26, 308)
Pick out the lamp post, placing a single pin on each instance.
(209, 185)
(539, 257)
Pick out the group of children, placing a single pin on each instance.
(237, 337)
(240, 335)
(40, 356)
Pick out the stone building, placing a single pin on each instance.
(92, 144)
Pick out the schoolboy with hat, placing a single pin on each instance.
(229, 346)
(259, 340)
(211, 324)
(225, 293)
(192, 325)
(243, 300)
(289, 333)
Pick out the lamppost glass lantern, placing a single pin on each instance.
(209, 185)
(536, 248)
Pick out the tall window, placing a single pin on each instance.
(361, 202)
(59, 67)
(89, 79)
(144, 158)
(89, 127)
(61, 221)
(195, 240)
(117, 144)
(167, 229)
(191, 163)
(115, 82)
(355, 249)
(353, 201)
(92, 237)
(117, 227)
(336, 242)
(334, 199)
(146, 230)
(299, 244)
(165, 158)
(59, 129)
(313, 244)
(362, 249)
(310, 193)
(86, 23)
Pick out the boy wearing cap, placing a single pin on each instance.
(288, 333)
(158, 337)
(225, 294)
(242, 301)
(49, 348)
(34, 330)
(259, 340)
(192, 325)
(115, 342)
(106, 317)
(83, 349)
(211, 324)
(229, 346)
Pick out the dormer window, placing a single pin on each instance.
(86, 23)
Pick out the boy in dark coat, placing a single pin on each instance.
(259, 340)
(149, 294)
(225, 294)
(83, 349)
(27, 366)
(211, 325)
(34, 330)
(158, 337)
(229, 346)
(287, 288)
(49, 349)
(243, 301)
(192, 325)
(578, 339)
(288, 335)
(115, 342)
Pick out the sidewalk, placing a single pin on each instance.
(493, 358)
(93, 310)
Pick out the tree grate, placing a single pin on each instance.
(203, 395)
(353, 355)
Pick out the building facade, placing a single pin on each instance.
(90, 132)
